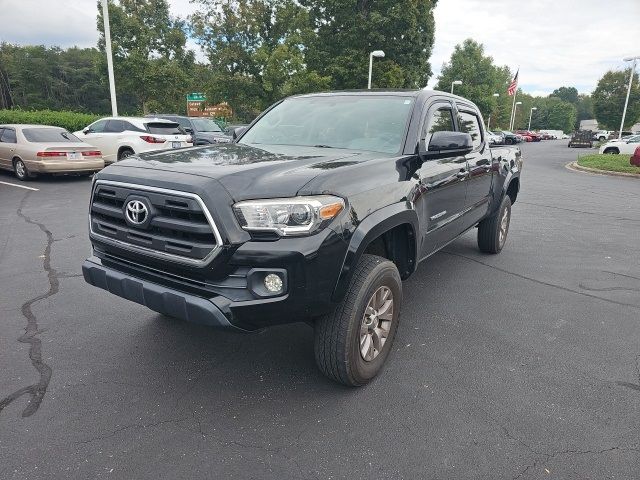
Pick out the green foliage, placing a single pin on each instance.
(72, 121)
(611, 163)
(346, 32)
(480, 80)
(609, 97)
(151, 63)
(37, 77)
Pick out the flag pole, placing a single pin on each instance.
(513, 109)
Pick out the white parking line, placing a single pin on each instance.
(20, 186)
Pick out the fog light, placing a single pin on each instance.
(273, 282)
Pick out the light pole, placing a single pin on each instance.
(515, 109)
(377, 54)
(626, 102)
(489, 119)
(107, 44)
(455, 82)
(530, 115)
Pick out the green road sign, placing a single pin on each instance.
(196, 97)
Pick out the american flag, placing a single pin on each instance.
(513, 85)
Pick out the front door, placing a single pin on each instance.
(442, 187)
(480, 167)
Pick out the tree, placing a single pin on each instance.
(609, 97)
(480, 79)
(151, 61)
(348, 31)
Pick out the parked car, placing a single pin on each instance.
(495, 138)
(635, 158)
(29, 150)
(509, 138)
(203, 130)
(120, 137)
(601, 135)
(317, 212)
(527, 133)
(627, 146)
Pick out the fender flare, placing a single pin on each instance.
(370, 228)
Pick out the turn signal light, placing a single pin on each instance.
(150, 139)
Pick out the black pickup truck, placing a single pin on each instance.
(316, 212)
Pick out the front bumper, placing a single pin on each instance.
(159, 298)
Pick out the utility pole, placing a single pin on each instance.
(107, 42)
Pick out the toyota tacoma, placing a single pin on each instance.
(316, 212)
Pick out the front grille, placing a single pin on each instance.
(180, 227)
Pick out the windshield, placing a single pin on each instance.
(205, 125)
(357, 122)
(52, 135)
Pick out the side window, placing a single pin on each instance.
(440, 120)
(114, 126)
(470, 124)
(98, 127)
(8, 136)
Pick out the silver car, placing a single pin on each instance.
(31, 149)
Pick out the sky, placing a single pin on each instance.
(554, 43)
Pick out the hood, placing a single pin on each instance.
(246, 171)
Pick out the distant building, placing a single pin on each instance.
(589, 125)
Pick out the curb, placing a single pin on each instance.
(578, 168)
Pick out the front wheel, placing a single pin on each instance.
(353, 342)
(492, 231)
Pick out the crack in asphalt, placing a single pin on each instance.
(579, 211)
(541, 282)
(31, 331)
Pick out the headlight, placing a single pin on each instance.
(288, 216)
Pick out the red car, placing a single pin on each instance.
(526, 133)
(635, 158)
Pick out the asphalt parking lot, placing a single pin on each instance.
(522, 365)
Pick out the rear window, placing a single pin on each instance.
(52, 135)
(165, 128)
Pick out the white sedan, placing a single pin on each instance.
(120, 137)
(627, 146)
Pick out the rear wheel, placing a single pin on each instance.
(353, 342)
(21, 171)
(124, 153)
(492, 231)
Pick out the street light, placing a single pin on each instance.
(489, 119)
(626, 102)
(455, 82)
(377, 54)
(107, 44)
(515, 109)
(530, 115)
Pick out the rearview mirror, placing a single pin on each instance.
(237, 132)
(445, 144)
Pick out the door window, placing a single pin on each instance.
(441, 120)
(8, 136)
(98, 127)
(469, 123)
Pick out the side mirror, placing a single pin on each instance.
(445, 144)
(237, 132)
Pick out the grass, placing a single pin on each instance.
(611, 163)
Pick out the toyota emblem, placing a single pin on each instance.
(136, 212)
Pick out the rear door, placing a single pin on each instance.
(442, 188)
(480, 166)
(7, 147)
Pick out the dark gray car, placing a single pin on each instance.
(204, 130)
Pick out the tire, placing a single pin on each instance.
(492, 231)
(126, 152)
(341, 334)
(611, 151)
(21, 171)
